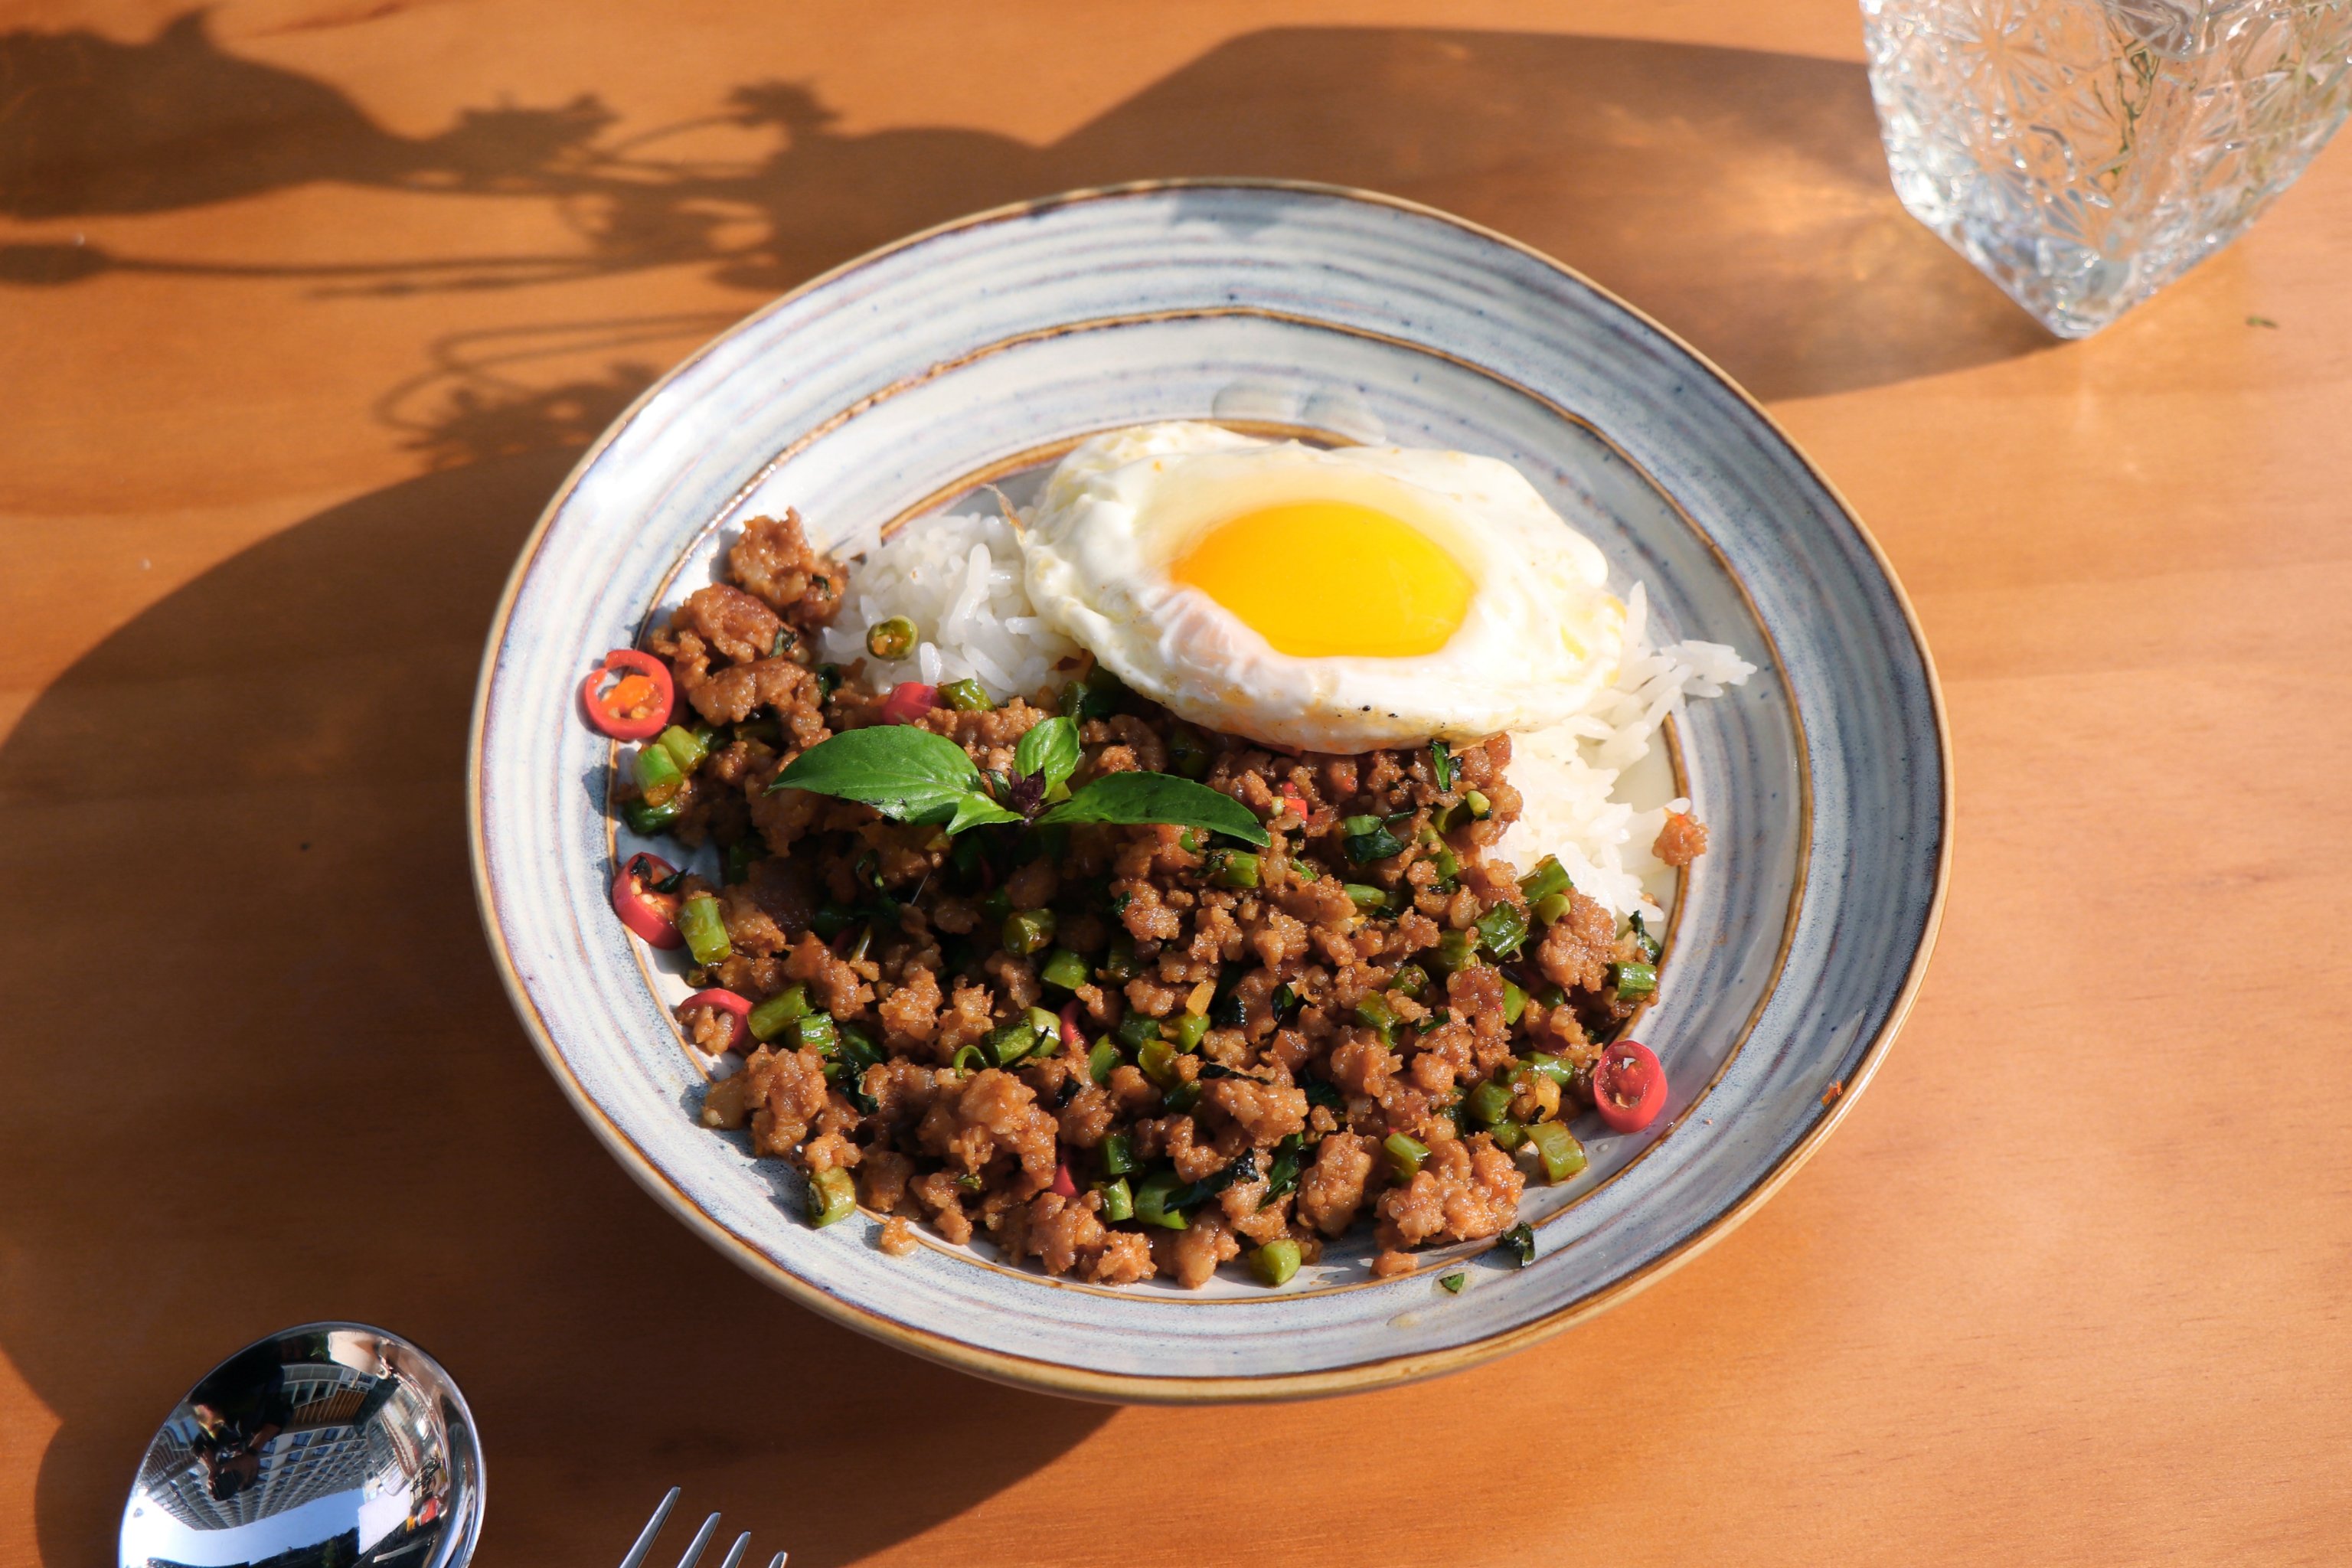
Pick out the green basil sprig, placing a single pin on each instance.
(912, 775)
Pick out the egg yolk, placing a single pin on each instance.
(1320, 579)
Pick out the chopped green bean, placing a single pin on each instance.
(686, 747)
(1489, 1104)
(1480, 806)
(651, 821)
(832, 1197)
(1548, 877)
(1136, 1029)
(1151, 1195)
(1233, 868)
(1190, 1028)
(1405, 1155)
(1276, 1262)
(705, 932)
(1553, 908)
(1555, 1146)
(1412, 979)
(1633, 980)
(769, 1018)
(1101, 1061)
(1510, 1135)
(1374, 1013)
(1503, 930)
(1008, 1043)
(1365, 896)
(1451, 1283)
(1119, 964)
(1520, 1241)
(1062, 968)
(966, 696)
(1550, 1066)
(1118, 1202)
(813, 1032)
(1456, 950)
(1515, 1002)
(1028, 932)
(1118, 1154)
(893, 638)
(1157, 1058)
(657, 772)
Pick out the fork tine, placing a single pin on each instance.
(653, 1527)
(735, 1553)
(779, 1563)
(701, 1539)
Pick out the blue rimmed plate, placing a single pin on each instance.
(979, 352)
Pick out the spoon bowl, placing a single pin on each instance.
(329, 1444)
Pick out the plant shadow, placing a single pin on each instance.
(1739, 195)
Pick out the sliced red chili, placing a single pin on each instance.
(636, 706)
(1629, 1086)
(909, 700)
(1073, 1036)
(737, 1008)
(1062, 1183)
(642, 907)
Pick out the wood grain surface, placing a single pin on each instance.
(307, 305)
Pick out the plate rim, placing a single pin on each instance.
(1141, 1388)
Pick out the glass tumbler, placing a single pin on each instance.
(2083, 153)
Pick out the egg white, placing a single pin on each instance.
(1542, 635)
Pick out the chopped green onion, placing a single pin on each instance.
(1553, 908)
(649, 821)
(1520, 1241)
(769, 1018)
(968, 1059)
(1118, 1202)
(1374, 1013)
(814, 1032)
(1118, 1154)
(1635, 979)
(658, 774)
(890, 639)
(1412, 979)
(966, 697)
(1365, 896)
(1451, 1283)
(1651, 946)
(1276, 1262)
(1028, 931)
(1189, 842)
(1189, 1027)
(1062, 968)
(1136, 1029)
(832, 1197)
(1489, 1104)
(1157, 1058)
(687, 748)
(1548, 877)
(1515, 1002)
(1405, 1155)
(1441, 765)
(1510, 1135)
(1480, 806)
(1557, 1147)
(1503, 930)
(1456, 950)
(705, 932)
(1233, 868)
(1188, 755)
(1101, 1061)
(1550, 1066)
(1151, 1195)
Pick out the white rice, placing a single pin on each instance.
(958, 579)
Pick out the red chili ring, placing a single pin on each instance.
(727, 1002)
(620, 726)
(909, 700)
(1063, 1184)
(1629, 1086)
(647, 914)
(1072, 1035)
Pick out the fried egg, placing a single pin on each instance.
(1327, 600)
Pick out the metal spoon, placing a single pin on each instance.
(332, 1443)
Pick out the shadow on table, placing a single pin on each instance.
(1740, 196)
(261, 1072)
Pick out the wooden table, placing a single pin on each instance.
(306, 306)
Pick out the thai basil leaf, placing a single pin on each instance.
(974, 810)
(906, 773)
(1139, 798)
(1049, 750)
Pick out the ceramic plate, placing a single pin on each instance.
(979, 352)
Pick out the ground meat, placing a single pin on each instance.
(1225, 1024)
(897, 1237)
(1681, 841)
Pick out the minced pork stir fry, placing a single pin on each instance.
(1119, 1047)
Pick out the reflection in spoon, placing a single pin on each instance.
(329, 1445)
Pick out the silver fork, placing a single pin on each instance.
(637, 1557)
